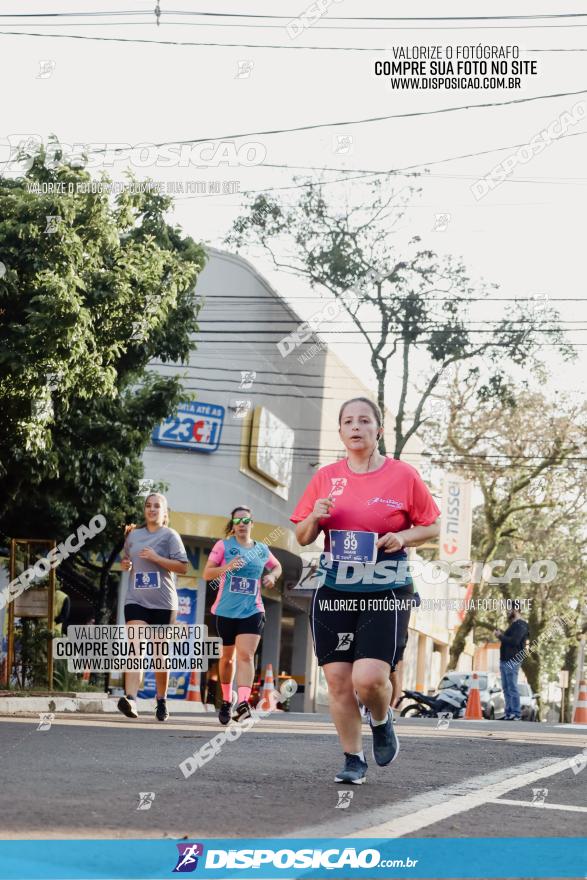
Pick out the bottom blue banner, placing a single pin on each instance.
(286, 858)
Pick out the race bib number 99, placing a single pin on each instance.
(351, 546)
(245, 586)
(147, 580)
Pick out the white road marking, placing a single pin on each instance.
(370, 822)
(543, 806)
(462, 803)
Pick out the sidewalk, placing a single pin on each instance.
(95, 703)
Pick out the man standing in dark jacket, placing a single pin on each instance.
(512, 641)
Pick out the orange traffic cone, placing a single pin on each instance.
(473, 711)
(268, 685)
(580, 707)
(193, 693)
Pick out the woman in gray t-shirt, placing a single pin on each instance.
(153, 555)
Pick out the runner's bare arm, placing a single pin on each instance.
(271, 577)
(211, 571)
(175, 565)
(307, 530)
(409, 537)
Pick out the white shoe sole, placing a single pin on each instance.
(351, 781)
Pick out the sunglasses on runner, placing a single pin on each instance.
(242, 519)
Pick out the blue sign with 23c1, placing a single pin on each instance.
(195, 426)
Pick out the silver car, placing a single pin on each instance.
(490, 690)
(528, 702)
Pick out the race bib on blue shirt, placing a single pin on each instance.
(243, 585)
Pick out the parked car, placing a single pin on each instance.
(490, 690)
(528, 702)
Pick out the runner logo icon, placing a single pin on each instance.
(344, 800)
(187, 858)
(344, 641)
(338, 484)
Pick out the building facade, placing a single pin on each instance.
(264, 419)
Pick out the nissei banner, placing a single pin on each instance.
(456, 518)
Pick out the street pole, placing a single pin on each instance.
(579, 669)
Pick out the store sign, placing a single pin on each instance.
(33, 603)
(455, 523)
(271, 448)
(195, 426)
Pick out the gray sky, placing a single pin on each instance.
(527, 235)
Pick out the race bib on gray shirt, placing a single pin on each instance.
(149, 584)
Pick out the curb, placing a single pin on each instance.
(87, 703)
(52, 703)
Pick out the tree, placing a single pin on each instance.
(555, 534)
(524, 455)
(418, 303)
(90, 293)
(86, 308)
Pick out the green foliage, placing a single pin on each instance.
(410, 306)
(85, 306)
(84, 310)
(31, 639)
(526, 457)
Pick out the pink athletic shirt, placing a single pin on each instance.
(390, 499)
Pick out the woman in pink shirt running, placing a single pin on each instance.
(239, 563)
(370, 508)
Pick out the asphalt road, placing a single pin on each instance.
(83, 777)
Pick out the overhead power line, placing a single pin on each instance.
(370, 119)
(265, 16)
(515, 331)
(232, 342)
(200, 43)
(324, 24)
(374, 324)
(295, 297)
(240, 45)
(531, 17)
(369, 174)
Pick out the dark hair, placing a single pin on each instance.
(228, 526)
(374, 408)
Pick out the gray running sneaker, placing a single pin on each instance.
(385, 741)
(355, 770)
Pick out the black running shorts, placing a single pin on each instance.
(349, 626)
(152, 616)
(228, 628)
(400, 653)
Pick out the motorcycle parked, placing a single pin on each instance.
(449, 701)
